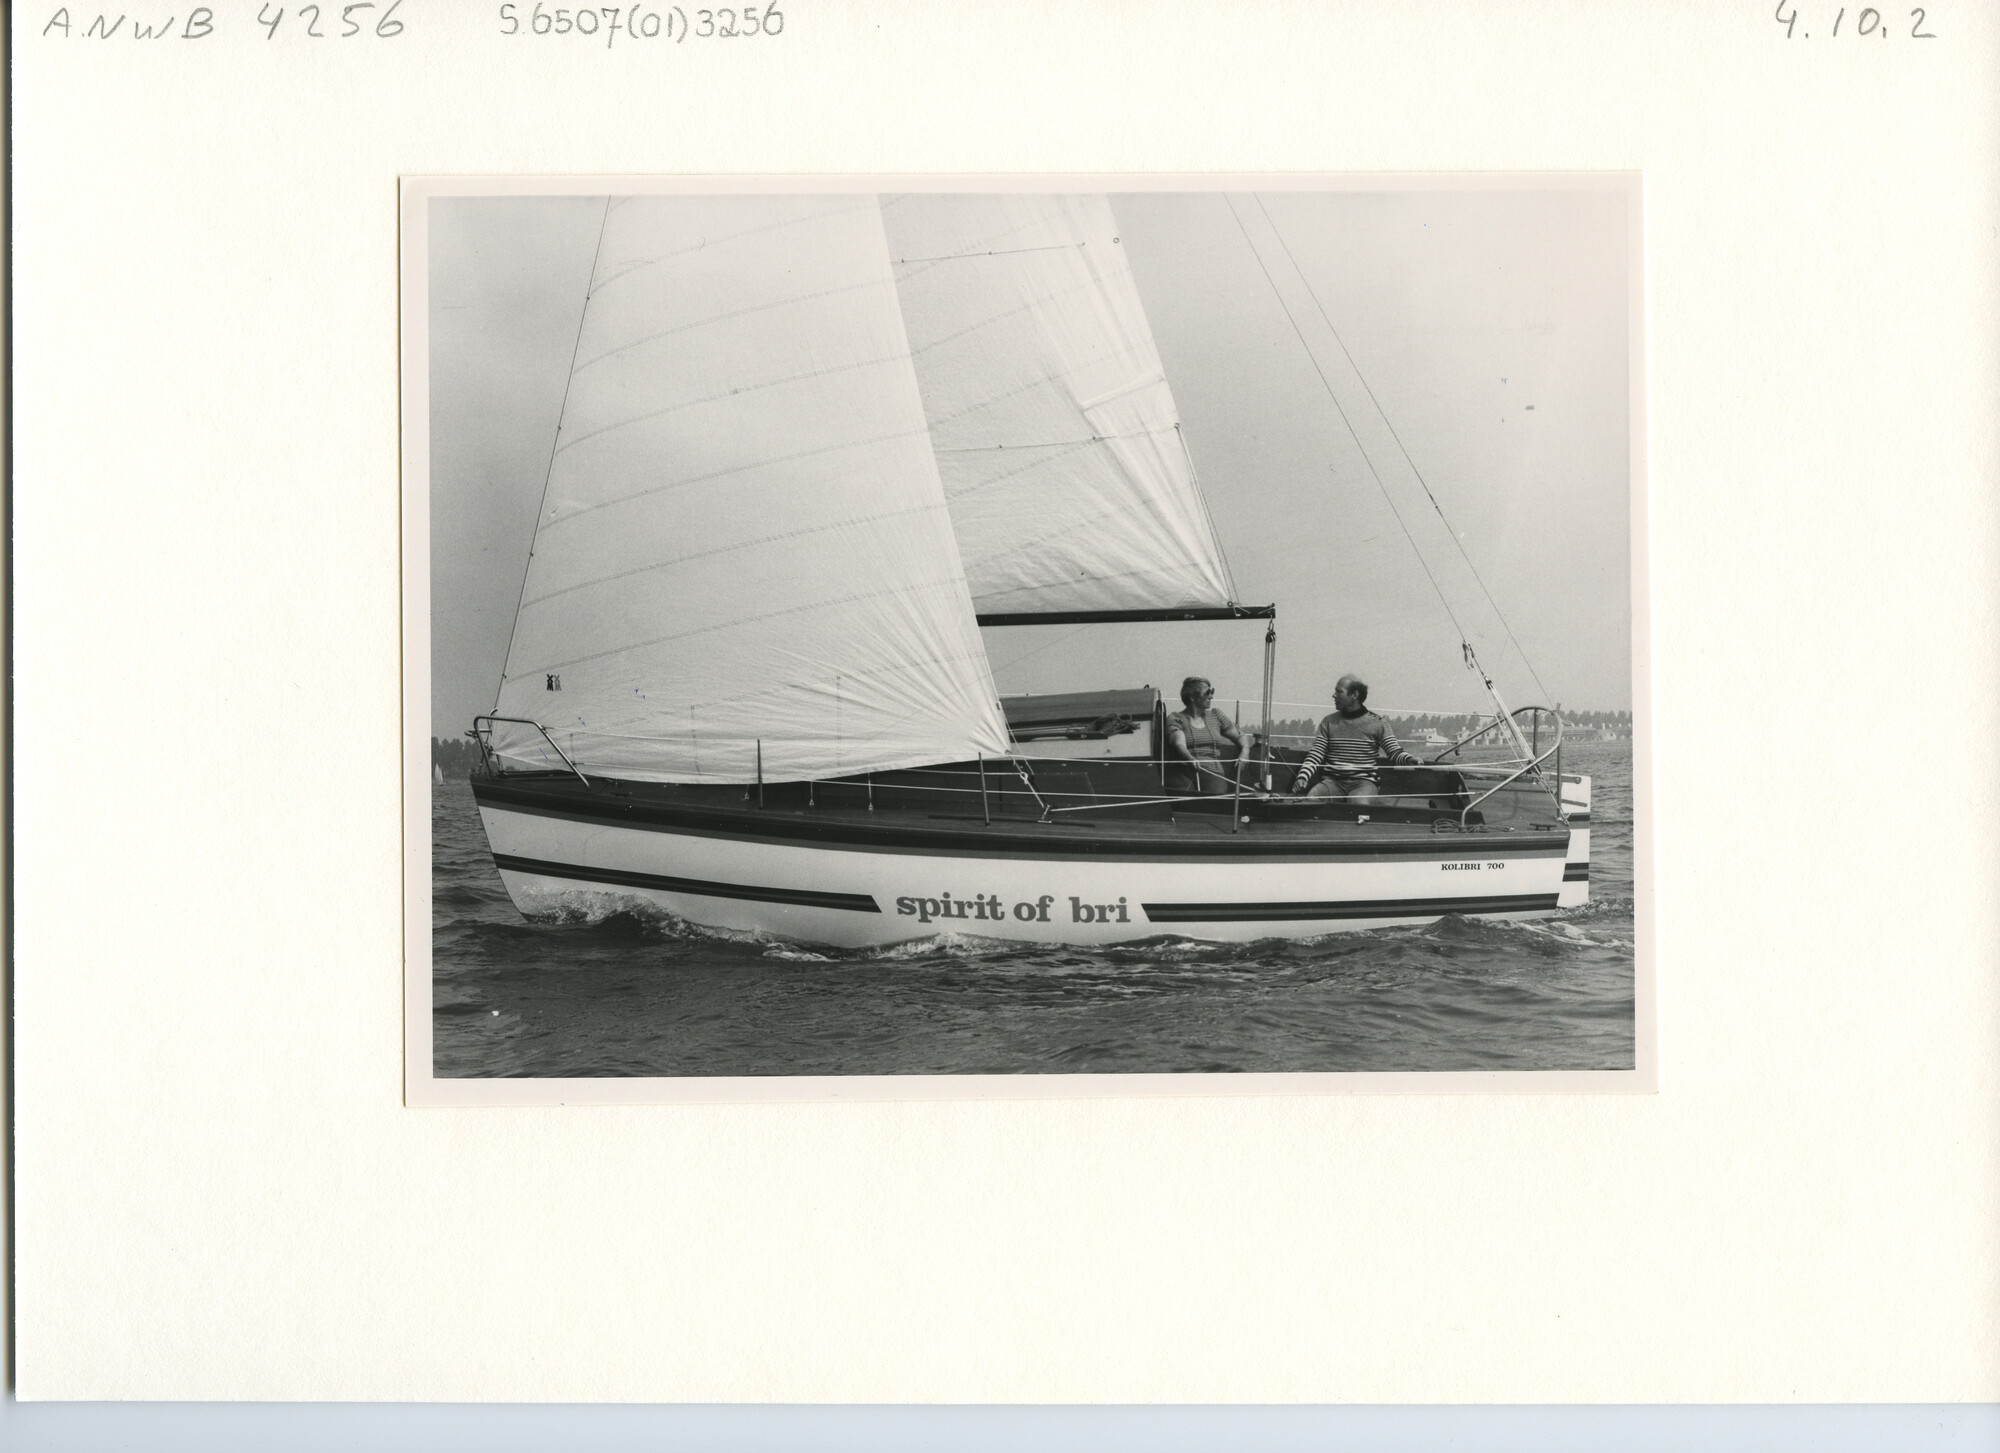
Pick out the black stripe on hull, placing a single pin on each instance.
(1576, 873)
(1014, 840)
(1353, 908)
(618, 877)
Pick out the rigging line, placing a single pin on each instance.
(1214, 535)
(554, 444)
(1499, 614)
(1314, 361)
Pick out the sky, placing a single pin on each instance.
(1353, 370)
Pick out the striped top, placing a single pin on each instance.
(1351, 746)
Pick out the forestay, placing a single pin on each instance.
(744, 544)
(1055, 431)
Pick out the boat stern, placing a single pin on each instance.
(1576, 870)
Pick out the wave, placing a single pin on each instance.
(790, 954)
(459, 1008)
(951, 945)
(458, 895)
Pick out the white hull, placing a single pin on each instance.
(1576, 872)
(857, 897)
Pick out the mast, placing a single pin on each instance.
(1270, 671)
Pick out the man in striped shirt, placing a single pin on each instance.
(1352, 745)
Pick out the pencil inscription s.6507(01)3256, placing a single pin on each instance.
(639, 22)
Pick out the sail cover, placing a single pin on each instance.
(744, 560)
(1055, 431)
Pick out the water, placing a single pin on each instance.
(644, 994)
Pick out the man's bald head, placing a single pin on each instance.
(1350, 694)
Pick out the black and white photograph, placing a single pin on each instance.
(1029, 629)
(1075, 725)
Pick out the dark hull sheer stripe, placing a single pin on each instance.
(1012, 840)
(1576, 873)
(1353, 908)
(618, 877)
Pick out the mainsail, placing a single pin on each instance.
(744, 561)
(1055, 431)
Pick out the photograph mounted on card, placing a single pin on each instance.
(1023, 638)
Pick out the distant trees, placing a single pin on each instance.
(457, 758)
(1618, 721)
(1297, 732)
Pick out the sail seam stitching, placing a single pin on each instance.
(761, 540)
(994, 252)
(708, 242)
(785, 302)
(772, 462)
(945, 583)
(887, 359)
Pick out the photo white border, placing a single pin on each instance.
(423, 1088)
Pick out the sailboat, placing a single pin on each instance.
(808, 447)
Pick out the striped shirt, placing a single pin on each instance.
(1349, 747)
